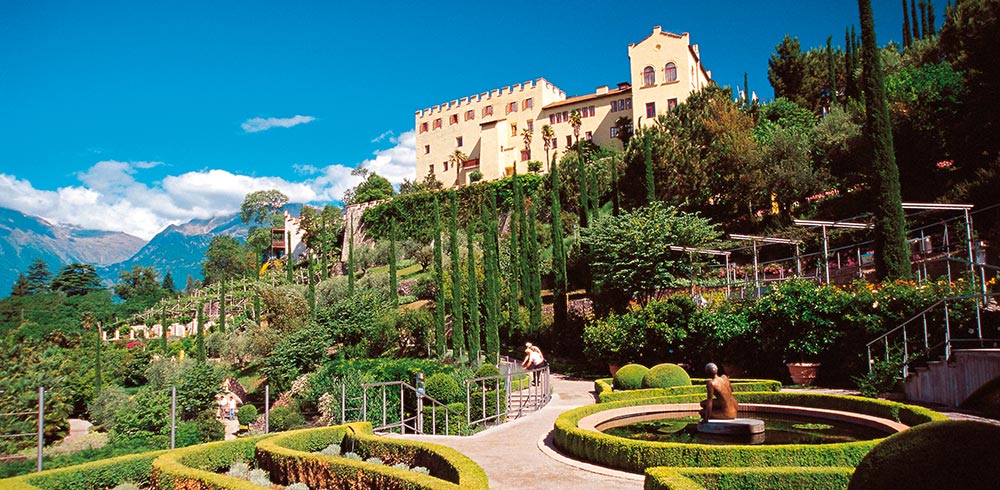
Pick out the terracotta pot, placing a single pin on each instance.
(733, 370)
(613, 368)
(803, 373)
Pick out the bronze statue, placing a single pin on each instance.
(720, 403)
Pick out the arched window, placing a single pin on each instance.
(648, 76)
(670, 72)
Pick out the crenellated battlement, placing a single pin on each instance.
(515, 89)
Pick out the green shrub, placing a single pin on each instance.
(946, 454)
(103, 407)
(105, 473)
(443, 388)
(665, 375)
(448, 421)
(486, 370)
(791, 478)
(284, 418)
(204, 428)
(491, 400)
(605, 393)
(629, 377)
(247, 414)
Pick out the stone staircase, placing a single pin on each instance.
(952, 382)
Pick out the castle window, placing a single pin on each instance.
(445, 163)
(427, 149)
(648, 76)
(528, 103)
(513, 129)
(670, 72)
(569, 140)
(614, 106)
(552, 118)
(628, 104)
(470, 114)
(437, 123)
(589, 136)
(650, 109)
(614, 132)
(487, 111)
(671, 104)
(591, 109)
(524, 155)
(453, 119)
(458, 141)
(512, 107)
(430, 169)
(423, 127)
(530, 124)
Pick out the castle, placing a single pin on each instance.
(488, 135)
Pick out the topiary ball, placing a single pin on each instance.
(486, 370)
(666, 375)
(443, 388)
(948, 454)
(629, 377)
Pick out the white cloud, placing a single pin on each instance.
(383, 136)
(113, 196)
(263, 124)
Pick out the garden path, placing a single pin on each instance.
(520, 454)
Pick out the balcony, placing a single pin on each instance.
(471, 163)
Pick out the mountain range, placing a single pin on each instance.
(178, 248)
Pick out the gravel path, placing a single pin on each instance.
(519, 454)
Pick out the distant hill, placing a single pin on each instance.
(179, 248)
(24, 238)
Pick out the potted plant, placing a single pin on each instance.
(798, 320)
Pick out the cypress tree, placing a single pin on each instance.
(324, 243)
(514, 274)
(595, 197)
(892, 255)
(924, 30)
(393, 281)
(199, 341)
(524, 250)
(559, 302)
(473, 300)
(457, 320)
(311, 292)
(289, 259)
(849, 64)
(491, 261)
(746, 90)
(256, 307)
(647, 146)
(616, 201)
(581, 171)
(832, 73)
(535, 283)
(222, 306)
(916, 23)
(907, 37)
(440, 341)
(98, 382)
(163, 325)
(930, 19)
(350, 261)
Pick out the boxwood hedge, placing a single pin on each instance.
(105, 473)
(606, 394)
(289, 457)
(769, 478)
(636, 456)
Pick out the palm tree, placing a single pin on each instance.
(527, 134)
(457, 158)
(547, 136)
(576, 120)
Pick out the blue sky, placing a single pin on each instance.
(133, 115)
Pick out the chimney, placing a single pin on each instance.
(603, 89)
(624, 85)
(694, 47)
(657, 29)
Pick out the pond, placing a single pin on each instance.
(778, 429)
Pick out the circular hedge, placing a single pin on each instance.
(629, 377)
(443, 388)
(949, 454)
(665, 375)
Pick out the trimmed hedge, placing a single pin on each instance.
(105, 473)
(629, 377)
(196, 467)
(606, 394)
(772, 478)
(288, 457)
(635, 456)
(666, 375)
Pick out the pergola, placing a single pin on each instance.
(826, 246)
(767, 240)
(705, 252)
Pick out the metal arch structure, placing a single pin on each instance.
(826, 245)
(706, 251)
(769, 241)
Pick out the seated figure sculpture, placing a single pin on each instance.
(720, 403)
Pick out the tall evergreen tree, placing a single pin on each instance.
(523, 266)
(199, 341)
(222, 306)
(350, 261)
(831, 63)
(746, 90)
(560, 302)
(907, 34)
(289, 258)
(930, 19)
(534, 274)
(892, 255)
(473, 300)
(514, 272)
(393, 281)
(311, 292)
(924, 30)
(457, 319)
(916, 20)
(647, 149)
(491, 261)
(256, 307)
(39, 277)
(98, 382)
(440, 341)
(616, 199)
(164, 327)
(168, 284)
